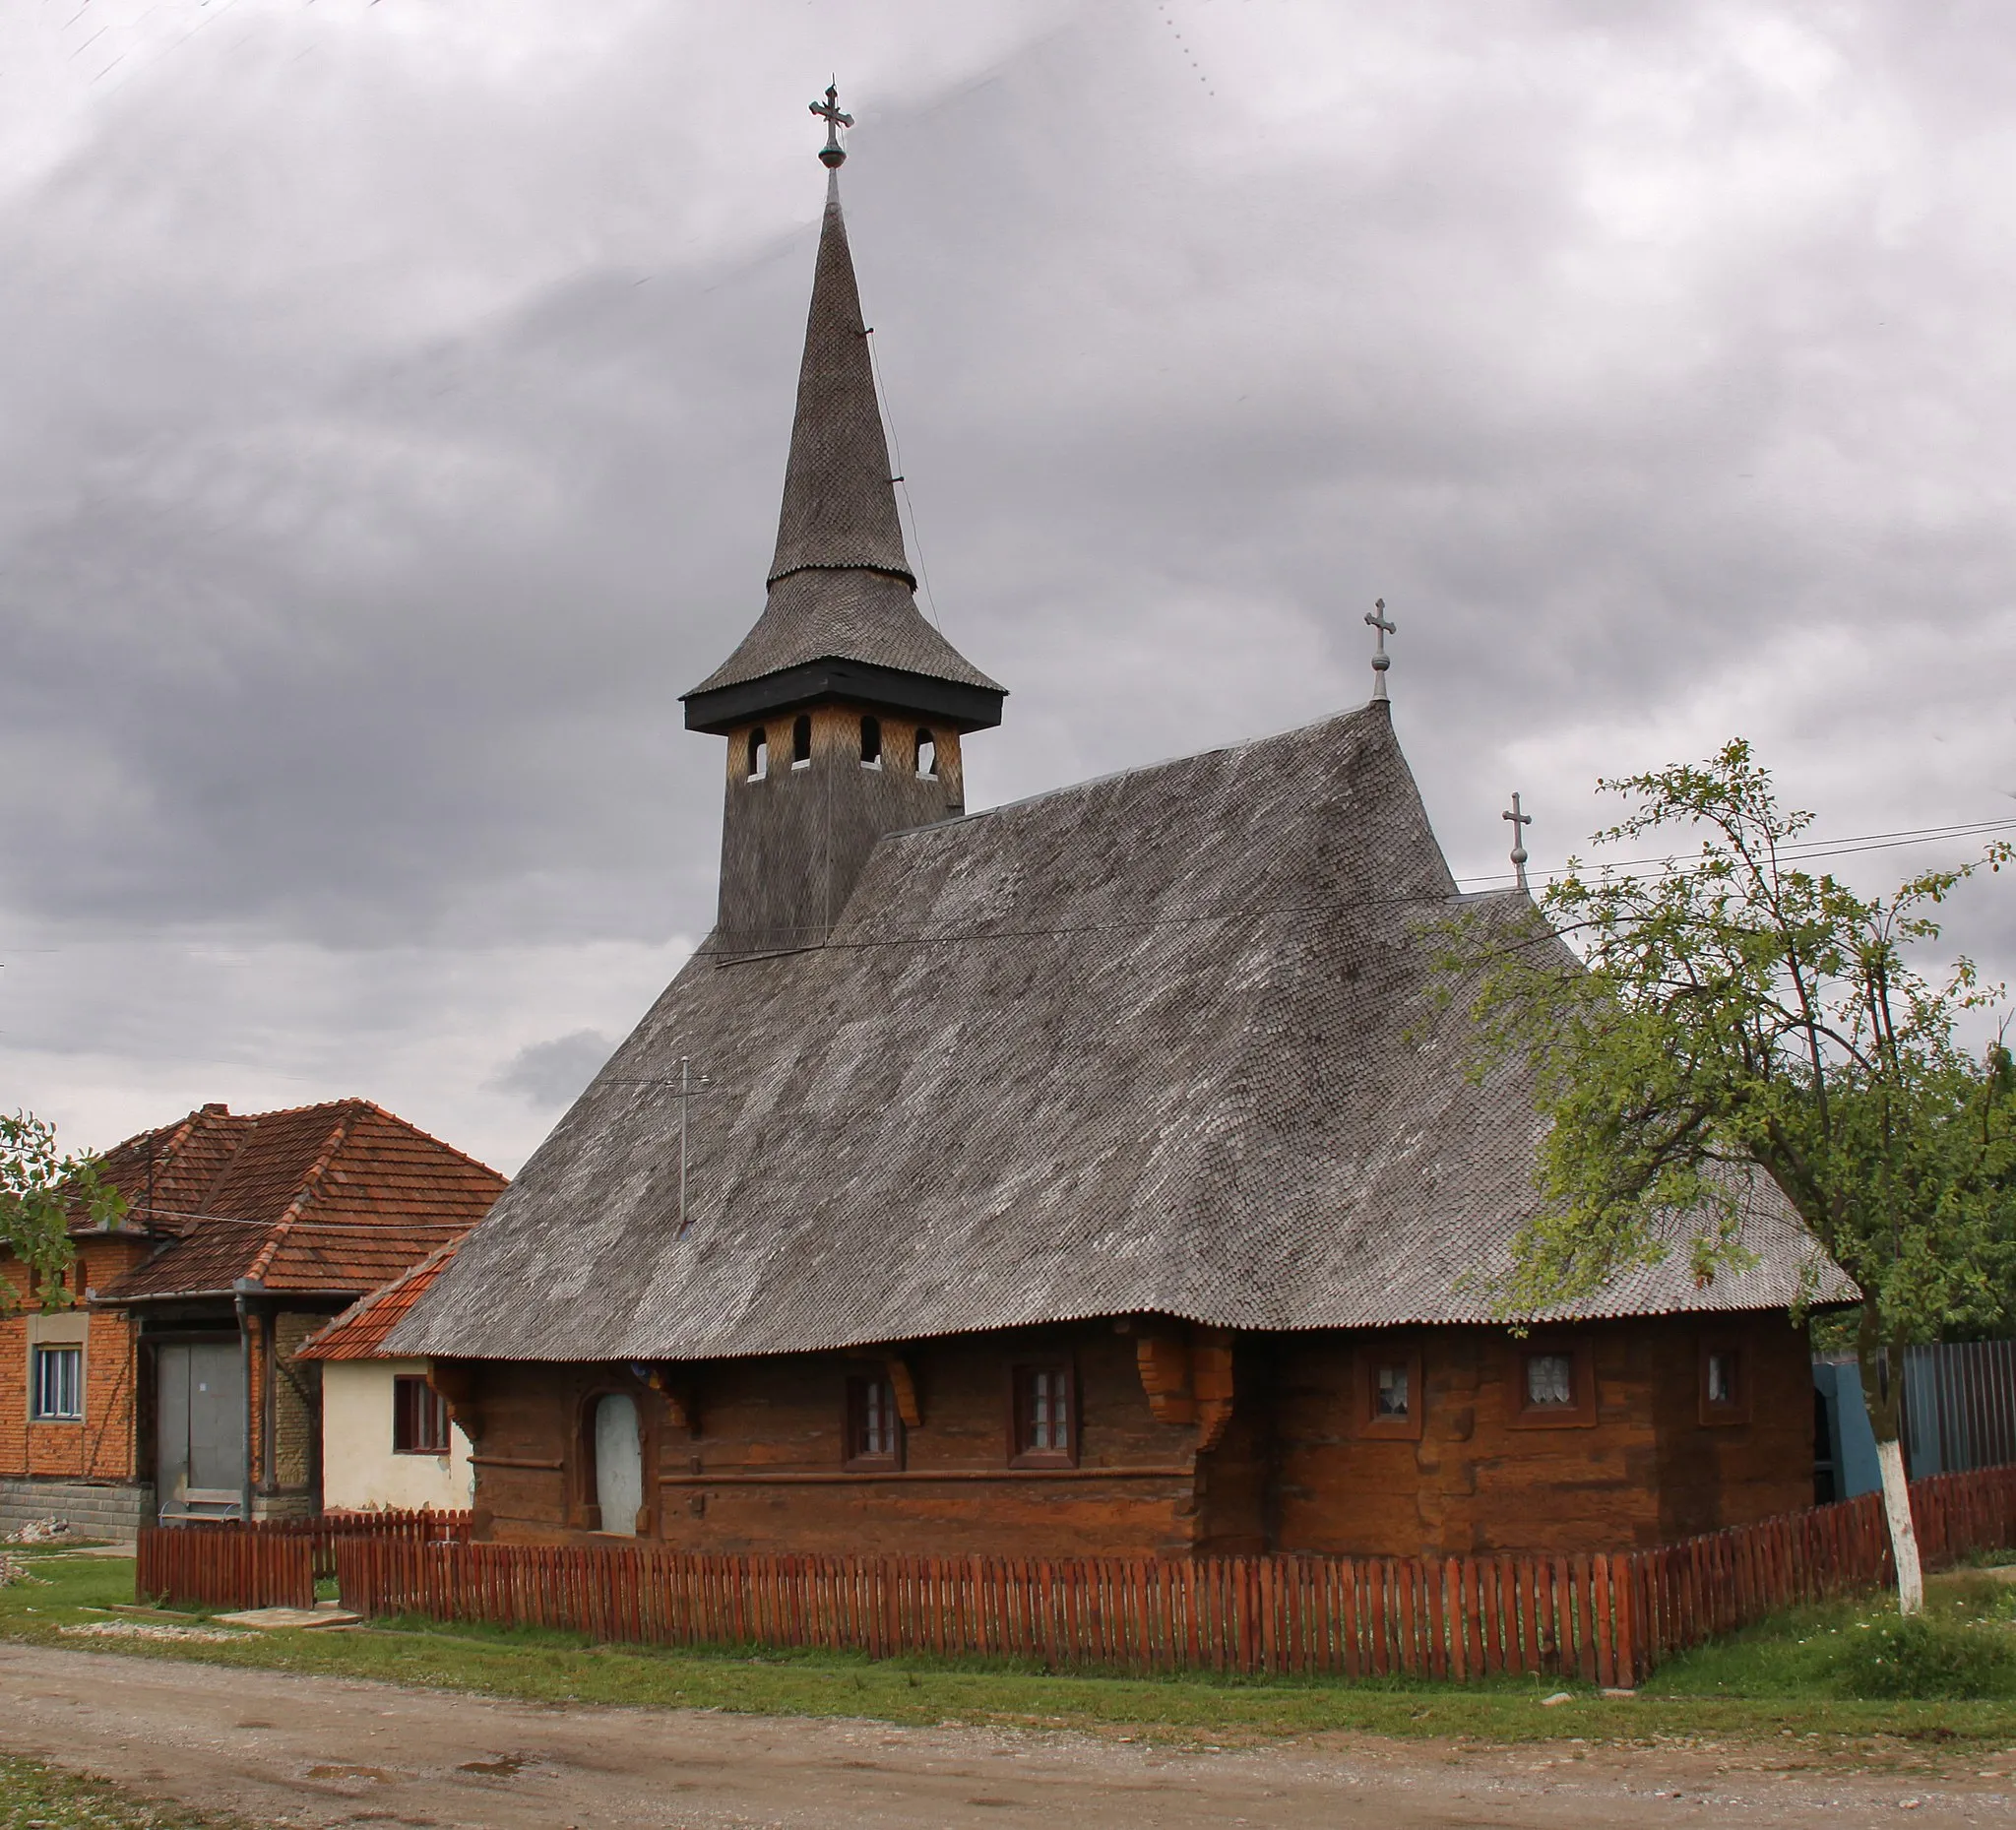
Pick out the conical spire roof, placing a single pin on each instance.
(838, 499)
(842, 618)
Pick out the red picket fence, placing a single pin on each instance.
(325, 1532)
(223, 1566)
(1607, 1618)
(271, 1562)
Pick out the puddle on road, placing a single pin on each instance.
(341, 1770)
(505, 1766)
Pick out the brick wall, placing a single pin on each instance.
(102, 1447)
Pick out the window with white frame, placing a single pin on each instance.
(59, 1384)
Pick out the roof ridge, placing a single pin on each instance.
(426, 1136)
(1135, 769)
(277, 1235)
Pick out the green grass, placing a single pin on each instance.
(32, 1795)
(1777, 1682)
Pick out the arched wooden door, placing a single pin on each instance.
(618, 1462)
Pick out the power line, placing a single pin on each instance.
(1324, 905)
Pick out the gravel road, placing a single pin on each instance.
(325, 1751)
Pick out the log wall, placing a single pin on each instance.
(748, 1457)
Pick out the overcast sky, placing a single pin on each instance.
(397, 392)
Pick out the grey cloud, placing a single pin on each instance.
(398, 421)
(550, 1074)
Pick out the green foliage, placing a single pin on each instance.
(1731, 1013)
(1929, 1656)
(42, 1192)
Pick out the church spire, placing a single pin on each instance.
(843, 706)
(838, 496)
(842, 619)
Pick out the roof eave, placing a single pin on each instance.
(720, 709)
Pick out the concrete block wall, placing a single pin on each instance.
(114, 1512)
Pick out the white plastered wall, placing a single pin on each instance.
(358, 1466)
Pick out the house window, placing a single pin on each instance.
(1045, 1422)
(874, 1432)
(801, 742)
(759, 756)
(1390, 1397)
(420, 1418)
(927, 754)
(59, 1384)
(1724, 1386)
(1553, 1385)
(871, 743)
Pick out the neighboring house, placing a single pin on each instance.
(1099, 1172)
(169, 1386)
(386, 1436)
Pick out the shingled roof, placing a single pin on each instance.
(841, 587)
(1162, 1042)
(332, 1199)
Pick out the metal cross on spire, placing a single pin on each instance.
(1520, 821)
(832, 154)
(1375, 618)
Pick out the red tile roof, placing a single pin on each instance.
(359, 1332)
(333, 1198)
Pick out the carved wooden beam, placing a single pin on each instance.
(1163, 1363)
(455, 1381)
(1210, 1379)
(903, 1384)
(679, 1387)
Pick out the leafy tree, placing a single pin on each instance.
(41, 1193)
(1731, 1013)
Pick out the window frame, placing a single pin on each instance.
(758, 754)
(1714, 1416)
(1021, 1376)
(871, 742)
(41, 1353)
(1371, 1358)
(855, 1457)
(430, 1407)
(1580, 1414)
(924, 740)
(803, 735)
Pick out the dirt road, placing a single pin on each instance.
(324, 1751)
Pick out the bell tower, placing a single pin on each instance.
(843, 708)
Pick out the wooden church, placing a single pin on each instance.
(1091, 1175)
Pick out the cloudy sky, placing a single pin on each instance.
(397, 393)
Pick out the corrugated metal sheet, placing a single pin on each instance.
(1160, 1042)
(1959, 1406)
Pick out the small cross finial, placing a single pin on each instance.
(1520, 821)
(832, 154)
(1376, 619)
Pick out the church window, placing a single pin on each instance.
(871, 743)
(1549, 1379)
(1045, 1428)
(1724, 1391)
(801, 743)
(927, 755)
(1553, 1385)
(420, 1418)
(759, 756)
(1390, 1398)
(874, 1432)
